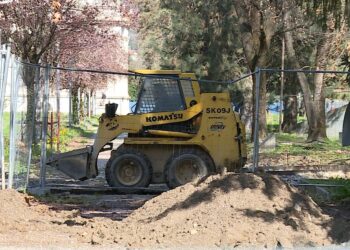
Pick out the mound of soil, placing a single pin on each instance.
(25, 222)
(230, 210)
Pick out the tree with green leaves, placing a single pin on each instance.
(195, 36)
(323, 19)
(216, 40)
(258, 22)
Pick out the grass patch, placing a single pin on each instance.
(285, 138)
(272, 121)
(295, 145)
(74, 131)
(6, 133)
(78, 133)
(337, 193)
(6, 122)
(295, 148)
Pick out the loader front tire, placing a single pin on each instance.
(128, 168)
(187, 166)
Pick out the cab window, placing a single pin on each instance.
(159, 95)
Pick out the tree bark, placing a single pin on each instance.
(290, 113)
(290, 104)
(75, 108)
(262, 106)
(28, 76)
(31, 111)
(257, 29)
(82, 105)
(314, 104)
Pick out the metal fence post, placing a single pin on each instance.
(88, 104)
(79, 100)
(44, 128)
(282, 88)
(256, 123)
(70, 100)
(13, 115)
(3, 81)
(58, 100)
(2, 160)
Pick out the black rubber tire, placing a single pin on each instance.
(137, 157)
(197, 155)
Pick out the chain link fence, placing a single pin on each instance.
(47, 110)
(291, 143)
(39, 111)
(20, 110)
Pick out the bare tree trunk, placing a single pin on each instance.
(290, 113)
(318, 132)
(262, 106)
(290, 104)
(257, 30)
(314, 104)
(31, 112)
(75, 108)
(81, 105)
(29, 80)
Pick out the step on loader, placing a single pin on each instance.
(179, 131)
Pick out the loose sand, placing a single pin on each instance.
(231, 210)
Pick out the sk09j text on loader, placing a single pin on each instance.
(178, 132)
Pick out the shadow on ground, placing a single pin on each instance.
(114, 207)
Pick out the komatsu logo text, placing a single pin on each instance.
(169, 117)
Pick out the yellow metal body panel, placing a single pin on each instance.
(156, 72)
(168, 133)
(160, 118)
(217, 134)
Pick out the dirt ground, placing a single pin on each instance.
(243, 210)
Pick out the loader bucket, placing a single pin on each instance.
(346, 127)
(74, 163)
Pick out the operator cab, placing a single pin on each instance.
(165, 91)
(160, 95)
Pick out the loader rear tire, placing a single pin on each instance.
(186, 166)
(128, 167)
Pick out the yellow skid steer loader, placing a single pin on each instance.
(178, 132)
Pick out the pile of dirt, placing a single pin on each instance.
(230, 210)
(24, 221)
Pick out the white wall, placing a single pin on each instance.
(116, 92)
